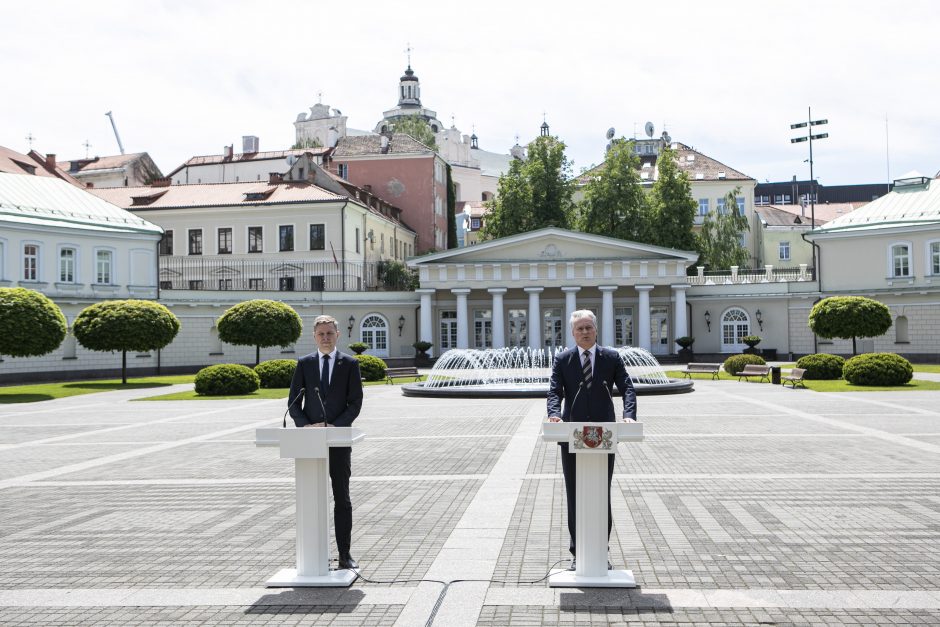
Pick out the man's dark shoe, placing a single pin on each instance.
(347, 562)
(574, 564)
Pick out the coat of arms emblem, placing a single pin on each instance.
(593, 436)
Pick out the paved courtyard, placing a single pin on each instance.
(746, 504)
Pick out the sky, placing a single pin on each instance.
(187, 77)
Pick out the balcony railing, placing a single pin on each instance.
(769, 274)
(225, 273)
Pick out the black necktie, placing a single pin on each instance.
(325, 375)
(586, 370)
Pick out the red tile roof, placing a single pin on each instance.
(214, 195)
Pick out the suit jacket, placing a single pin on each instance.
(595, 404)
(343, 400)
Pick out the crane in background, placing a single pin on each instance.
(116, 136)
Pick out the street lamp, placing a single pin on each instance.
(808, 124)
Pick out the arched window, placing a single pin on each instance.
(901, 335)
(374, 332)
(735, 325)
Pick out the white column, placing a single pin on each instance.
(499, 327)
(426, 325)
(571, 305)
(607, 314)
(463, 327)
(534, 318)
(679, 313)
(642, 329)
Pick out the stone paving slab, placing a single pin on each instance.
(746, 503)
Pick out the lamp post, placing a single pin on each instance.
(808, 124)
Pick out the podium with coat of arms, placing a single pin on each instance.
(592, 442)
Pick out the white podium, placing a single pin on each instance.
(309, 449)
(592, 442)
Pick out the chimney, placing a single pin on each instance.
(164, 182)
(275, 177)
(227, 151)
(249, 143)
(50, 161)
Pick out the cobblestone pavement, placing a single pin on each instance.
(746, 504)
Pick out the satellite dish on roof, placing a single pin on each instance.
(650, 129)
(611, 132)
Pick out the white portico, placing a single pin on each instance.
(521, 290)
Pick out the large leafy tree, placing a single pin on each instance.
(671, 205)
(30, 323)
(416, 127)
(614, 202)
(260, 323)
(847, 317)
(719, 242)
(125, 325)
(535, 193)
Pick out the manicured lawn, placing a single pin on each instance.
(48, 391)
(838, 385)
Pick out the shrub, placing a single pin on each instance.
(359, 347)
(226, 379)
(685, 341)
(372, 368)
(878, 369)
(735, 364)
(30, 323)
(276, 373)
(821, 366)
(751, 340)
(421, 346)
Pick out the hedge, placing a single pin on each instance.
(372, 368)
(276, 373)
(226, 379)
(735, 364)
(878, 369)
(821, 366)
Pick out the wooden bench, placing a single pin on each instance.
(698, 368)
(755, 370)
(407, 371)
(794, 378)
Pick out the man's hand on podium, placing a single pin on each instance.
(629, 420)
(554, 419)
(316, 424)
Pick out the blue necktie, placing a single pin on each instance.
(325, 376)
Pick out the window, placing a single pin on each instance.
(553, 329)
(782, 199)
(720, 206)
(256, 284)
(225, 241)
(255, 239)
(225, 284)
(374, 332)
(103, 262)
(317, 284)
(623, 326)
(166, 285)
(448, 330)
(760, 201)
(703, 206)
(740, 201)
(901, 260)
(67, 265)
(285, 238)
(742, 240)
(784, 248)
(482, 328)
(285, 283)
(357, 239)
(901, 334)
(195, 242)
(933, 257)
(342, 169)
(166, 244)
(196, 284)
(474, 224)
(517, 327)
(318, 237)
(735, 325)
(30, 262)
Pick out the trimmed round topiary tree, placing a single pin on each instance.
(260, 323)
(735, 364)
(30, 323)
(226, 380)
(847, 317)
(358, 347)
(878, 369)
(276, 373)
(821, 366)
(125, 325)
(371, 367)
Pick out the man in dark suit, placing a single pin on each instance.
(583, 377)
(332, 398)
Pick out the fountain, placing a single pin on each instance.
(525, 372)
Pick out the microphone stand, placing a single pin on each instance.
(291, 404)
(322, 406)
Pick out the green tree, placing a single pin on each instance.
(125, 325)
(416, 127)
(260, 323)
(614, 203)
(719, 242)
(535, 193)
(451, 210)
(847, 317)
(672, 207)
(30, 323)
(307, 142)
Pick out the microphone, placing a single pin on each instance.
(291, 404)
(322, 406)
(574, 400)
